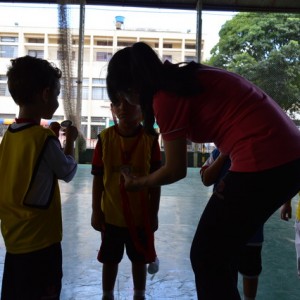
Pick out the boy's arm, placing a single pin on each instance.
(97, 218)
(61, 162)
(71, 134)
(210, 173)
(286, 211)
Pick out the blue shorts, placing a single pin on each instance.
(115, 239)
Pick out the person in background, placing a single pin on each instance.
(31, 162)
(55, 127)
(206, 104)
(125, 218)
(286, 214)
(249, 259)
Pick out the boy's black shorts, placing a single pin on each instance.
(114, 239)
(33, 276)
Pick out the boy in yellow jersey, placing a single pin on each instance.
(125, 219)
(286, 214)
(31, 162)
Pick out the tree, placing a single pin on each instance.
(265, 49)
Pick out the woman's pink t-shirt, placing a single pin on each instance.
(236, 115)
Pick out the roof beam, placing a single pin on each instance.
(292, 6)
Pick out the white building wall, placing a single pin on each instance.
(95, 113)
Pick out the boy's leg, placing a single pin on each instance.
(139, 264)
(297, 244)
(139, 274)
(110, 255)
(109, 275)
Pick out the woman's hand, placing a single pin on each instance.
(131, 183)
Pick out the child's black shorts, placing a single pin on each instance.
(114, 239)
(33, 276)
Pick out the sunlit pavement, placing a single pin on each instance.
(181, 207)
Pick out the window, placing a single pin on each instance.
(190, 58)
(64, 94)
(99, 93)
(99, 81)
(4, 90)
(59, 55)
(73, 95)
(124, 44)
(190, 46)
(104, 43)
(98, 119)
(103, 56)
(8, 51)
(167, 57)
(85, 81)
(36, 40)
(95, 130)
(85, 93)
(57, 118)
(9, 39)
(168, 45)
(83, 129)
(36, 53)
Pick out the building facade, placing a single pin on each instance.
(98, 48)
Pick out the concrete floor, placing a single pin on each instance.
(181, 207)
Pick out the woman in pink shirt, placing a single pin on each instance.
(206, 104)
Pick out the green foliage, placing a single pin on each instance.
(264, 48)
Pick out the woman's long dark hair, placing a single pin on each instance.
(139, 68)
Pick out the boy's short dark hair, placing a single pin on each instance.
(27, 76)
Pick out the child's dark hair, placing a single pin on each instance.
(28, 76)
(139, 68)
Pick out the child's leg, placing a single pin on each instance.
(110, 255)
(139, 274)
(297, 243)
(109, 275)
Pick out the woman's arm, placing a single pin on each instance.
(173, 170)
(154, 196)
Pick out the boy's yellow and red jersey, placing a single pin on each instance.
(108, 161)
(29, 221)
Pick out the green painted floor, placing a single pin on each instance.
(181, 207)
